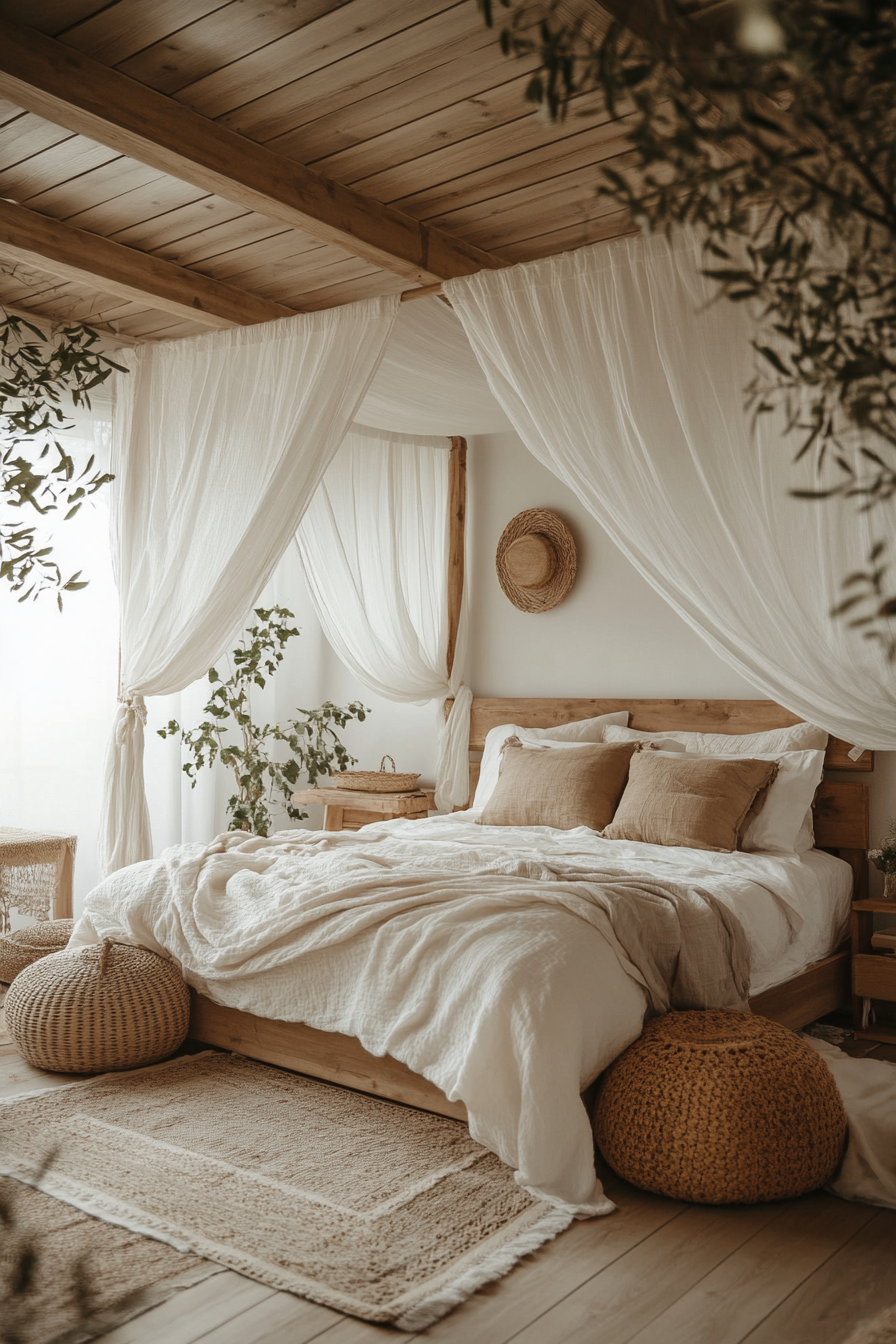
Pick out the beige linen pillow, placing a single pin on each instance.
(798, 737)
(538, 786)
(580, 730)
(691, 801)
(780, 818)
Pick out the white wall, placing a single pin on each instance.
(612, 636)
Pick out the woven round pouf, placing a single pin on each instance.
(91, 1009)
(720, 1108)
(20, 948)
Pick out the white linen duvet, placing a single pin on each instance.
(495, 961)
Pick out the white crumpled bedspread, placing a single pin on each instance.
(484, 958)
(868, 1089)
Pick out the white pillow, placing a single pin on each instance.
(583, 730)
(798, 737)
(783, 825)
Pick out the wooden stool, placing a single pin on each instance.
(350, 809)
(36, 869)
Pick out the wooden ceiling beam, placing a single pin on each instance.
(73, 90)
(63, 250)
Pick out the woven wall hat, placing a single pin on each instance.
(536, 560)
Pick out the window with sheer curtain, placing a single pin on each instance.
(58, 681)
(57, 675)
(374, 547)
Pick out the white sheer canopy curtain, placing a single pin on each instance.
(429, 381)
(374, 547)
(624, 377)
(219, 443)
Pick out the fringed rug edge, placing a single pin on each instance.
(435, 1300)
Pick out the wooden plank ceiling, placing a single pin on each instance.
(167, 166)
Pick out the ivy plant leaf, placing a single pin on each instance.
(261, 776)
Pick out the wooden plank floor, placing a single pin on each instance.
(802, 1271)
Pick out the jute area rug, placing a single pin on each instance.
(370, 1208)
(88, 1276)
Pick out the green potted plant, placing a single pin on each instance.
(230, 733)
(884, 859)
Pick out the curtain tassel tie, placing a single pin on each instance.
(134, 709)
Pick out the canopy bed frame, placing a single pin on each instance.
(841, 827)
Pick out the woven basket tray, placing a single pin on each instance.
(21, 948)
(376, 781)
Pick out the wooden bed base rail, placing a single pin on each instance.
(320, 1054)
(820, 989)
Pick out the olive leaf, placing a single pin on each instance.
(33, 1264)
(779, 142)
(37, 475)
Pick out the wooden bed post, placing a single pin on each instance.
(457, 513)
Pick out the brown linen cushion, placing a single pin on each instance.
(561, 787)
(688, 801)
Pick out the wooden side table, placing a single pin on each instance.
(350, 809)
(36, 869)
(873, 973)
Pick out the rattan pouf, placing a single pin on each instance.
(109, 1006)
(721, 1108)
(20, 948)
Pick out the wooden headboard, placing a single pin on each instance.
(840, 807)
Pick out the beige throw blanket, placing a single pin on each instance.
(689, 949)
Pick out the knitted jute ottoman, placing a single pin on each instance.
(20, 948)
(720, 1108)
(108, 1006)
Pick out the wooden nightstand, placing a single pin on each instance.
(873, 973)
(350, 809)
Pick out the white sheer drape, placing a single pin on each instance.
(374, 547)
(220, 442)
(429, 381)
(625, 379)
